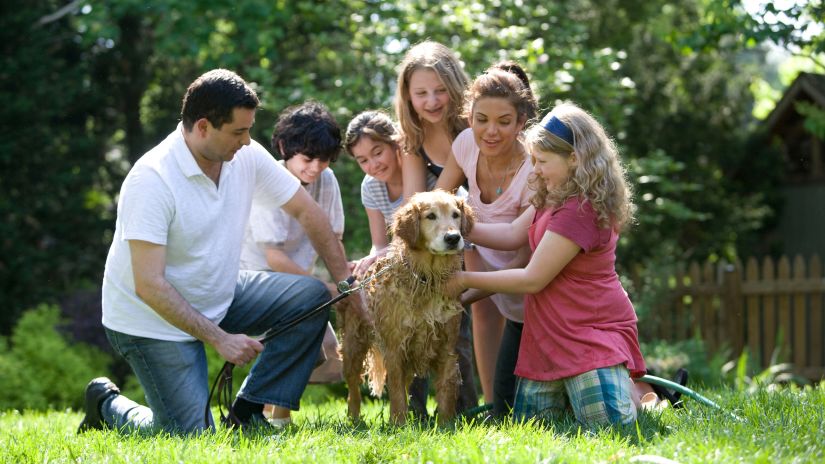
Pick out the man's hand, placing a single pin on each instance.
(149, 268)
(238, 348)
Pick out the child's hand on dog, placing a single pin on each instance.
(455, 286)
(360, 267)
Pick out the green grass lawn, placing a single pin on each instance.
(782, 425)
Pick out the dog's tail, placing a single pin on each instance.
(376, 371)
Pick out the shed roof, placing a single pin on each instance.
(807, 87)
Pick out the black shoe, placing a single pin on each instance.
(673, 397)
(681, 378)
(255, 423)
(96, 391)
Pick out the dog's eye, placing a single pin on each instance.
(430, 216)
(455, 215)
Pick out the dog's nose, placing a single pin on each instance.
(452, 238)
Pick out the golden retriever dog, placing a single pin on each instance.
(416, 325)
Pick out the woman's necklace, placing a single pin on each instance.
(504, 176)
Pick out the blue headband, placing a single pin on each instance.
(557, 128)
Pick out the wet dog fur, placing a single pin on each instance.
(416, 325)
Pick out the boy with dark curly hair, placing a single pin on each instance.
(307, 139)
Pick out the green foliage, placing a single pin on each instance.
(795, 26)
(747, 378)
(693, 109)
(54, 182)
(86, 93)
(705, 369)
(814, 118)
(41, 369)
(662, 191)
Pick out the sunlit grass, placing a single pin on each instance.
(782, 425)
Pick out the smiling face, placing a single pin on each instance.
(553, 168)
(495, 125)
(428, 96)
(378, 159)
(306, 169)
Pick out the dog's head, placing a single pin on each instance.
(435, 221)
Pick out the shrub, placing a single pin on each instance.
(746, 375)
(665, 357)
(41, 369)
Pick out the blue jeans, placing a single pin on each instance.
(174, 374)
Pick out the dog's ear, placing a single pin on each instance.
(405, 224)
(468, 217)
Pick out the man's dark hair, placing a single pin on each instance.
(308, 129)
(214, 95)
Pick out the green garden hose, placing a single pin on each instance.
(683, 390)
(645, 378)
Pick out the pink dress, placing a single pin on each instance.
(505, 208)
(582, 320)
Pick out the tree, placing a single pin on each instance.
(96, 85)
(55, 181)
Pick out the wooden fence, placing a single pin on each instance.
(760, 307)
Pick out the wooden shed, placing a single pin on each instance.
(802, 222)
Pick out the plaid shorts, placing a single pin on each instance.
(598, 397)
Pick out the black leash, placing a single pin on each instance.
(223, 381)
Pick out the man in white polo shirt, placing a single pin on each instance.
(171, 281)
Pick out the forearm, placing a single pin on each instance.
(326, 244)
(521, 259)
(331, 251)
(498, 236)
(165, 300)
(378, 230)
(413, 174)
(329, 248)
(503, 281)
(149, 273)
(550, 257)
